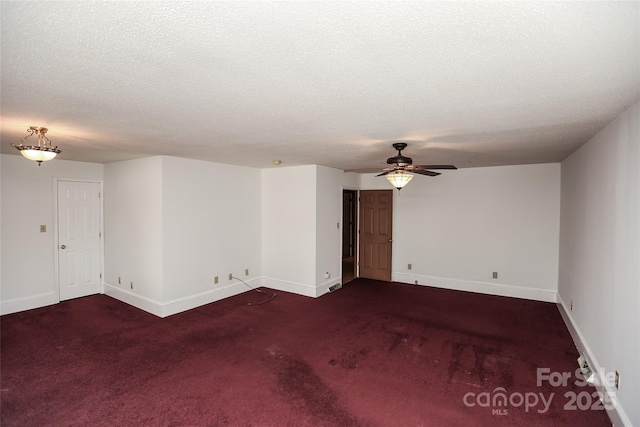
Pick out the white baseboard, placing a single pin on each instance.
(478, 287)
(287, 286)
(164, 309)
(143, 303)
(192, 301)
(617, 415)
(28, 303)
(323, 287)
(300, 288)
(178, 305)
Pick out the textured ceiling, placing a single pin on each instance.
(329, 83)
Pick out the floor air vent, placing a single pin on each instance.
(586, 369)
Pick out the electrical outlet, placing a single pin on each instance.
(409, 266)
(617, 380)
(230, 276)
(119, 280)
(416, 282)
(495, 274)
(215, 280)
(43, 228)
(131, 285)
(246, 271)
(571, 305)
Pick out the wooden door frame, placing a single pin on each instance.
(355, 233)
(56, 237)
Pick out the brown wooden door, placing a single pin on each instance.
(376, 210)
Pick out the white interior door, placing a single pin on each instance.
(79, 237)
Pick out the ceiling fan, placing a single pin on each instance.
(399, 167)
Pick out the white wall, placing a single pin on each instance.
(350, 180)
(211, 227)
(301, 214)
(289, 229)
(28, 202)
(458, 228)
(1, 310)
(174, 224)
(328, 227)
(133, 230)
(600, 255)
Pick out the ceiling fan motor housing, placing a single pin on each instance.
(399, 160)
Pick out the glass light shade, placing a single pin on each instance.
(43, 152)
(37, 154)
(399, 179)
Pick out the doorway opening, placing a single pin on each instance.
(349, 234)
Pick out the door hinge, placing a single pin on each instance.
(99, 194)
(101, 275)
(100, 234)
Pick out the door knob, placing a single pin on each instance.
(390, 240)
(63, 247)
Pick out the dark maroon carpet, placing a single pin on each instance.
(371, 354)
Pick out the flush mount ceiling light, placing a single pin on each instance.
(399, 178)
(43, 152)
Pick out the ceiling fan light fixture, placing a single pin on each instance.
(43, 152)
(399, 179)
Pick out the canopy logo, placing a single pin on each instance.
(499, 400)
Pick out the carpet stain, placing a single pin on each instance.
(479, 362)
(499, 366)
(350, 359)
(442, 322)
(211, 337)
(481, 353)
(454, 363)
(398, 337)
(307, 392)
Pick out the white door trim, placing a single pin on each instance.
(56, 278)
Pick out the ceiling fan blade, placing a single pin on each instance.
(369, 170)
(423, 172)
(401, 163)
(435, 167)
